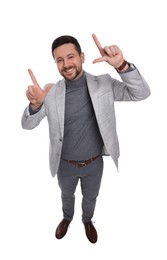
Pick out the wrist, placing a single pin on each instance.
(123, 67)
(35, 107)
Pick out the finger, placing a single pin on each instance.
(31, 92)
(30, 98)
(48, 87)
(100, 60)
(27, 94)
(114, 49)
(111, 51)
(98, 44)
(33, 78)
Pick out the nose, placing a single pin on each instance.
(66, 63)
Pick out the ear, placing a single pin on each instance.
(82, 57)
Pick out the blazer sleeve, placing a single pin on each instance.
(31, 121)
(132, 88)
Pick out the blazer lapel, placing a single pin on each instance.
(60, 103)
(93, 91)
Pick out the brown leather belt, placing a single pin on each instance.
(82, 163)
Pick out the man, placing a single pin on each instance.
(81, 118)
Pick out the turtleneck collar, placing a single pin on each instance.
(76, 82)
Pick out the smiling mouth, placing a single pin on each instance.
(69, 71)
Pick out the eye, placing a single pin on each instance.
(58, 61)
(71, 56)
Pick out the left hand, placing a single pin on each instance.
(111, 54)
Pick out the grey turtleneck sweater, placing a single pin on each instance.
(82, 139)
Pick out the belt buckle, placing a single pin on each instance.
(80, 164)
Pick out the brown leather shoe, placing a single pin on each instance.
(61, 230)
(91, 232)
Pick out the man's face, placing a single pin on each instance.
(69, 62)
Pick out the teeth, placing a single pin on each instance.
(70, 70)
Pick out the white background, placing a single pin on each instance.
(131, 212)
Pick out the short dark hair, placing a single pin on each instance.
(66, 39)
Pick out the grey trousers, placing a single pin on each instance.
(90, 180)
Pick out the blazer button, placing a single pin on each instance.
(60, 139)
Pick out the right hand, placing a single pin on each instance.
(35, 93)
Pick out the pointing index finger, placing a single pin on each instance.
(33, 78)
(98, 44)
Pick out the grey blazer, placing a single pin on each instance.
(104, 90)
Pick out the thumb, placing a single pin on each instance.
(99, 60)
(48, 87)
